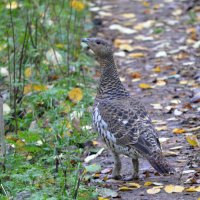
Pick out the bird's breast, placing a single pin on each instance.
(103, 129)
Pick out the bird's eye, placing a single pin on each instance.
(98, 42)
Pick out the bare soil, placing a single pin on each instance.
(179, 71)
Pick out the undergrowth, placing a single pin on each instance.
(47, 97)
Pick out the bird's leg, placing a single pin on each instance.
(135, 175)
(117, 167)
(135, 168)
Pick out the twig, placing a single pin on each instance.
(9, 68)
(68, 37)
(21, 59)
(74, 34)
(80, 175)
(14, 69)
(2, 134)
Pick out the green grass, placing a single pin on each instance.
(45, 132)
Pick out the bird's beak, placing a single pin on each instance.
(85, 43)
(85, 40)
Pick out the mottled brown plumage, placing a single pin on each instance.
(122, 120)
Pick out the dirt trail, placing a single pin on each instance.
(162, 53)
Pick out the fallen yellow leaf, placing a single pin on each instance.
(77, 5)
(136, 55)
(102, 198)
(141, 48)
(156, 69)
(153, 190)
(66, 107)
(96, 175)
(173, 188)
(145, 86)
(34, 87)
(198, 189)
(193, 189)
(178, 131)
(124, 188)
(161, 128)
(192, 140)
(136, 185)
(126, 47)
(128, 15)
(94, 142)
(145, 3)
(20, 145)
(28, 72)
(60, 45)
(143, 25)
(75, 95)
(148, 183)
(191, 30)
(156, 6)
(11, 138)
(68, 131)
(119, 42)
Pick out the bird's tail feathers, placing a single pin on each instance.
(160, 164)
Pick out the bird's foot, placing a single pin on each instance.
(132, 177)
(115, 176)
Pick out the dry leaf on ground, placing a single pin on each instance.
(102, 198)
(193, 189)
(34, 87)
(121, 29)
(119, 42)
(128, 15)
(136, 55)
(135, 185)
(157, 69)
(153, 190)
(135, 75)
(75, 95)
(192, 140)
(173, 188)
(145, 86)
(28, 72)
(125, 188)
(125, 47)
(77, 5)
(178, 131)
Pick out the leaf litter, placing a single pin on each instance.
(163, 74)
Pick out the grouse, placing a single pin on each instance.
(121, 120)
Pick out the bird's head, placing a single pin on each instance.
(101, 48)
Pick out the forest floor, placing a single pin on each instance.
(157, 51)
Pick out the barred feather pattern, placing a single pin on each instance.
(122, 121)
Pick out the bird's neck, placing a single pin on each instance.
(110, 84)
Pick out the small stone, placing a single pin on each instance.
(177, 112)
(161, 54)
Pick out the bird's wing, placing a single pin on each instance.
(130, 125)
